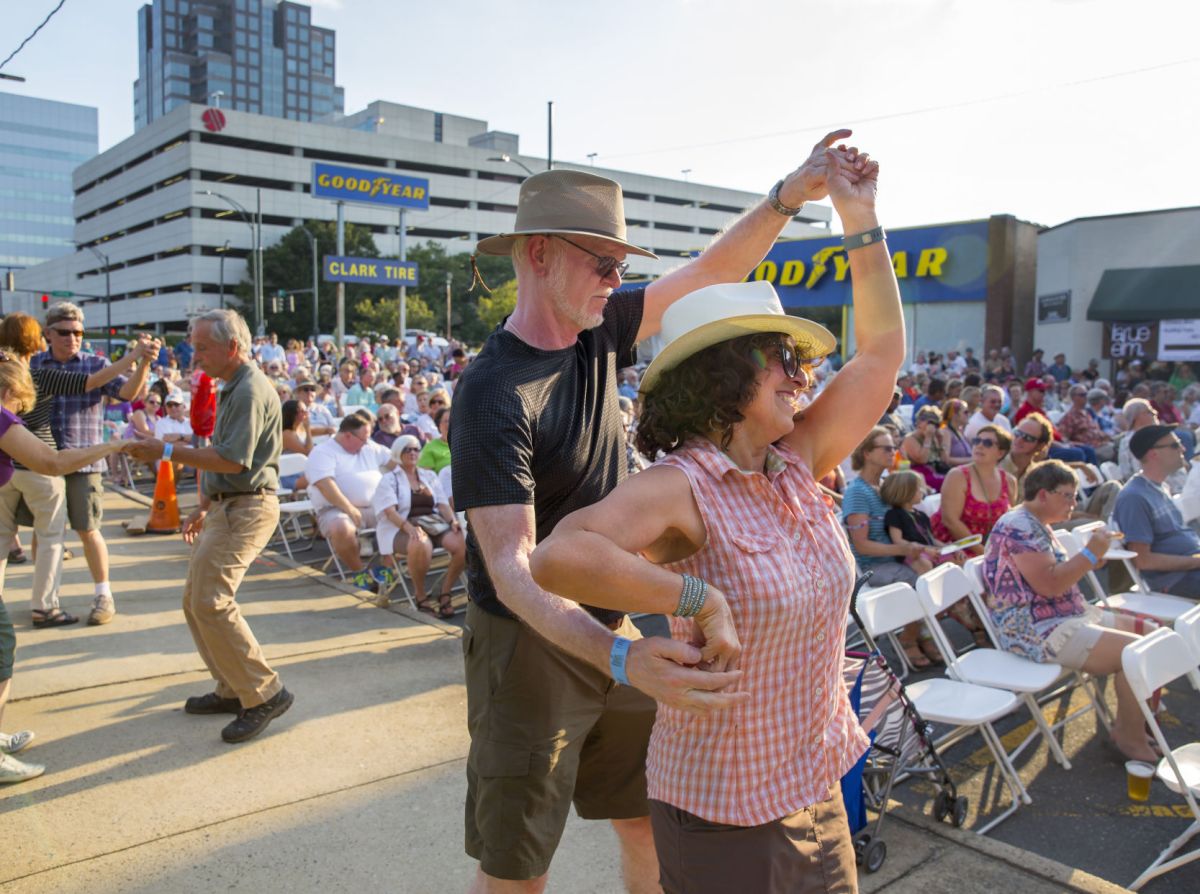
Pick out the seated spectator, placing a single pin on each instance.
(956, 448)
(1099, 405)
(1031, 442)
(1014, 397)
(414, 517)
(1035, 398)
(974, 496)
(935, 393)
(297, 438)
(1035, 368)
(347, 378)
(908, 394)
(362, 394)
(1168, 551)
(1163, 401)
(144, 418)
(1037, 608)
(388, 425)
(1092, 373)
(891, 418)
(863, 511)
(418, 385)
(435, 455)
(1059, 368)
(343, 474)
(628, 378)
(424, 421)
(923, 448)
(1079, 425)
(320, 420)
(175, 427)
(990, 404)
(1189, 407)
(1138, 414)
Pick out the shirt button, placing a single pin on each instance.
(819, 690)
(820, 637)
(796, 538)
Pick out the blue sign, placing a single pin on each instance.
(371, 187)
(372, 271)
(933, 264)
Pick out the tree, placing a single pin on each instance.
(435, 262)
(382, 316)
(495, 307)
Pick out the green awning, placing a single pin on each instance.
(1147, 293)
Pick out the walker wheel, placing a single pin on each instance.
(960, 812)
(942, 805)
(876, 853)
(862, 842)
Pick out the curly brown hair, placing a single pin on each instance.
(703, 395)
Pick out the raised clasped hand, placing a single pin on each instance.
(714, 634)
(851, 178)
(667, 671)
(808, 182)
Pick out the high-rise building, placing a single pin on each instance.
(259, 56)
(41, 144)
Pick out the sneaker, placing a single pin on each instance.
(211, 703)
(103, 610)
(17, 557)
(364, 580)
(11, 744)
(384, 576)
(13, 770)
(253, 721)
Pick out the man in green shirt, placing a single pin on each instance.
(238, 512)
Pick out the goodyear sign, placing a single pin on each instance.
(932, 264)
(371, 187)
(372, 271)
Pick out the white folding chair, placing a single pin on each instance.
(940, 590)
(1187, 626)
(1151, 663)
(292, 511)
(964, 706)
(1141, 600)
(1111, 471)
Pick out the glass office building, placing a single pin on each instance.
(256, 56)
(41, 144)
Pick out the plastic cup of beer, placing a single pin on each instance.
(1137, 777)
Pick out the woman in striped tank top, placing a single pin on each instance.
(730, 535)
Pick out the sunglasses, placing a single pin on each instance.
(67, 333)
(983, 442)
(411, 450)
(788, 358)
(437, 403)
(1025, 436)
(604, 264)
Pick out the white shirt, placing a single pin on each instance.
(168, 426)
(318, 414)
(978, 421)
(357, 475)
(426, 426)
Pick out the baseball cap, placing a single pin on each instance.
(1035, 385)
(173, 398)
(1143, 439)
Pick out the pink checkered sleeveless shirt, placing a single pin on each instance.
(777, 550)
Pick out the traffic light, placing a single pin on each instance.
(45, 303)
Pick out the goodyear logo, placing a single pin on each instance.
(370, 187)
(831, 262)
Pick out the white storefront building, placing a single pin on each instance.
(143, 216)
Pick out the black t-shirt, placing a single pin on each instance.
(914, 526)
(542, 428)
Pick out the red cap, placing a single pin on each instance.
(1035, 385)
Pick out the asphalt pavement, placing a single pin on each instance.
(360, 786)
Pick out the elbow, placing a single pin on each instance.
(542, 565)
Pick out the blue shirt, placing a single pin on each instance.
(1145, 512)
(862, 499)
(77, 420)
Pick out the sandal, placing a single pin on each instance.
(56, 618)
(916, 656)
(428, 605)
(445, 605)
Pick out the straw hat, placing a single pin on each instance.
(718, 313)
(573, 203)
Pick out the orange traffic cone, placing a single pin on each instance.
(164, 514)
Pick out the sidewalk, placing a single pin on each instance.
(358, 788)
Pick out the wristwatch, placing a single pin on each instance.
(773, 198)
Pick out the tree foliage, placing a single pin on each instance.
(495, 307)
(287, 265)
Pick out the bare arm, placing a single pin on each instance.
(205, 458)
(31, 452)
(915, 449)
(841, 415)
(331, 492)
(1148, 561)
(947, 440)
(1052, 578)
(954, 498)
(858, 524)
(507, 535)
(736, 251)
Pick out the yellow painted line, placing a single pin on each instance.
(1170, 811)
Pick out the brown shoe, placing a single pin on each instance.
(103, 610)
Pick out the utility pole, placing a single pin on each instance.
(550, 135)
(449, 280)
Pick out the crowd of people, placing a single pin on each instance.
(737, 484)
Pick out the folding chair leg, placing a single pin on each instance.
(1015, 786)
(1039, 720)
(1163, 865)
(284, 540)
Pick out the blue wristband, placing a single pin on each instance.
(1090, 556)
(168, 449)
(616, 659)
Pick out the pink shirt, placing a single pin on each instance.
(777, 550)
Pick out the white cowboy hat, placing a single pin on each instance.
(718, 313)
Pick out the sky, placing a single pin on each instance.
(1045, 109)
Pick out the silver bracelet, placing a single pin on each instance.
(691, 599)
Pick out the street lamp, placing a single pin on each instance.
(685, 173)
(592, 158)
(107, 297)
(312, 243)
(256, 256)
(223, 249)
(512, 161)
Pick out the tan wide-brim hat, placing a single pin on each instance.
(718, 313)
(569, 203)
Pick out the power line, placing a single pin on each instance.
(821, 128)
(31, 36)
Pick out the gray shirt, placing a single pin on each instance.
(1145, 512)
(248, 431)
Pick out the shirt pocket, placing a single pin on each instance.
(755, 542)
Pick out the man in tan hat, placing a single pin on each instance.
(538, 434)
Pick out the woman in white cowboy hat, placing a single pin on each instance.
(730, 534)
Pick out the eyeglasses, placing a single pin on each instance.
(411, 450)
(983, 442)
(152, 403)
(1175, 444)
(67, 333)
(604, 264)
(890, 448)
(1069, 494)
(789, 359)
(1025, 436)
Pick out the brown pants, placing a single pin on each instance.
(805, 853)
(234, 533)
